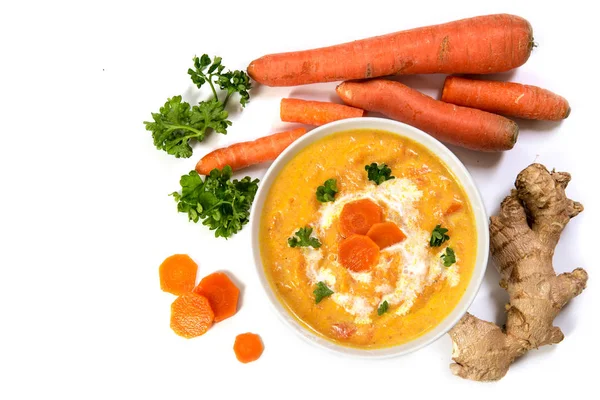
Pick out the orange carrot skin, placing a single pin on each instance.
(479, 45)
(316, 112)
(507, 98)
(461, 126)
(242, 155)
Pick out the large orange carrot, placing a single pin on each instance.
(248, 347)
(358, 253)
(358, 217)
(386, 234)
(222, 294)
(242, 155)
(461, 126)
(191, 315)
(316, 112)
(177, 274)
(508, 98)
(480, 45)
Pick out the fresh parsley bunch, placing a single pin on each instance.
(221, 203)
(177, 122)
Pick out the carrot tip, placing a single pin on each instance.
(568, 113)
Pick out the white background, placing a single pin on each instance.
(85, 219)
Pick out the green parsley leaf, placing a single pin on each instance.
(235, 82)
(383, 307)
(221, 203)
(438, 236)
(449, 257)
(302, 238)
(321, 292)
(378, 173)
(177, 123)
(327, 192)
(230, 81)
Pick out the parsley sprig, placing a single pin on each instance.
(379, 173)
(177, 122)
(448, 257)
(438, 236)
(230, 81)
(328, 191)
(221, 203)
(302, 238)
(383, 307)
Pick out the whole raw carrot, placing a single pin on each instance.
(315, 112)
(461, 126)
(508, 98)
(242, 155)
(479, 45)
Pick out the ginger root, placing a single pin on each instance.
(522, 242)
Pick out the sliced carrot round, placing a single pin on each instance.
(386, 234)
(358, 253)
(248, 347)
(191, 315)
(178, 274)
(358, 217)
(222, 294)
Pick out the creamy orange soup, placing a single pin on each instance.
(410, 276)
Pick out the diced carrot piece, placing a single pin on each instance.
(386, 234)
(454, 207)
(222, 294)
(358, 253)
(191, 315)
(248, 347)
(358, 216)
(178, 274)
(343, 330)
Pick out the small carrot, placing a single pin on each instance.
(315, 112)
(461, 126)
(386, 234)
(507, 98)
(177, 274)
(222, 294)
(479, 45)
(248, 347)
(358, 217)
(242, 155)
(191, 315)
(358, 253)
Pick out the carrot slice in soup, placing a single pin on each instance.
(358, 253)
(178, 274)
(248, 347)
(222, 294)
(358, 217)
(191, 315)
(386, 234)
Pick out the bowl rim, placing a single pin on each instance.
(453, 164)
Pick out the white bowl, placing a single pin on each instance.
(460, 172)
